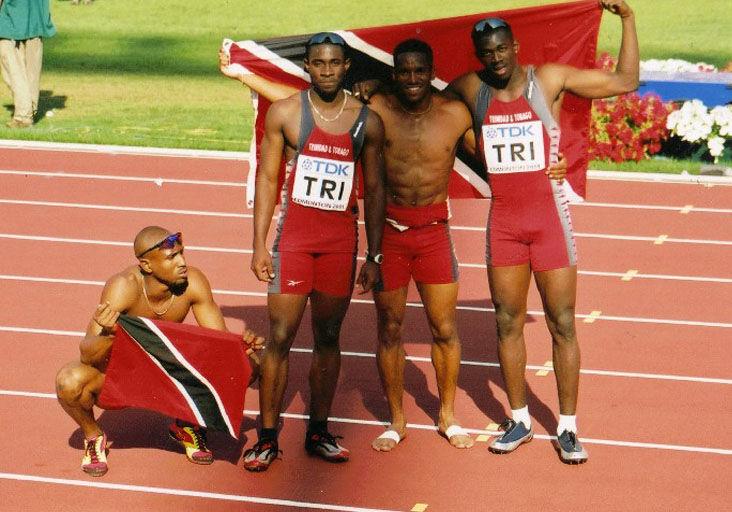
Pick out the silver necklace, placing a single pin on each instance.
(321, 116)
(158, 313)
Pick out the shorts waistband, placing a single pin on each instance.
(417, 216)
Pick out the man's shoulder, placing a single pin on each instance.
(286, 105)
(197, 281)
(127, 279)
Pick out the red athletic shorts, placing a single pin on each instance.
(423, 251)
(300, 273)
(539, 233)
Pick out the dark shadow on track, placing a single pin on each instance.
(139, 428)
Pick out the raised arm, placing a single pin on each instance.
(595, 83)
(265, 195)
(273, 91)
(374, 178)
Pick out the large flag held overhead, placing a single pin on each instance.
(564, 33)
(184, 371)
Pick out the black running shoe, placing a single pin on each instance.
(325, 446)
(570, 449)
(514, 435)
(261, 455)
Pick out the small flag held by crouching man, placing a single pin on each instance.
(191, 373)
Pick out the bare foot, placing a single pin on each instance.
(388, 439)
(457, 436)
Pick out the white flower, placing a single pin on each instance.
(692, 122)
(722, 116)
(676, 66)
(716, 146)
(673, 119)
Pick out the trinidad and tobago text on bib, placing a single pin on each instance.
(323, 183)
(513, 143)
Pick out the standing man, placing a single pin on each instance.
(422, 133)
(321, 132)
(23, 25)
(515, 113)
(162, 287)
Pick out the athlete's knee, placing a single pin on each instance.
(562, 326)
(444, 332)
(327, 333)
(509, 321)
(390, 329)
(70, 382)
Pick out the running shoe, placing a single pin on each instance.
(94, 462)
(570, 449)
(514, 434)
(261, 455)
(193, 439)
(325, 446)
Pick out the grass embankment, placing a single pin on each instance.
(144, 72)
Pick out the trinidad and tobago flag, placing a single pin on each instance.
(563, 33)
(184, 371)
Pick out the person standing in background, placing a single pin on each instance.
(23, 26)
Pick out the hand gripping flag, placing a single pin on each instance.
(563, 33)
(184, 371)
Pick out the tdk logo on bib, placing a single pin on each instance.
(323, 183)
(514, 147)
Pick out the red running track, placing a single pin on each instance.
(654, 269)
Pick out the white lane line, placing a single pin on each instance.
(420, 359)
(242, 184)
(681, 209)
(606, 236)
(36, 238)
(125, 150)
(186, 492)
(112, 177)
(418, 426)
(125, 208)
(59, 204)
(243, 293)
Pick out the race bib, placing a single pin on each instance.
(323, 183)
(514, 147)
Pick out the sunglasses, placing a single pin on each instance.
(166, 243)
(489, 24)
(326, 37)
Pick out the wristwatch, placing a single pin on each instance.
(376, 258)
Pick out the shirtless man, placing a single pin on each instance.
(322, 132)
(515, 110)
(161, 286)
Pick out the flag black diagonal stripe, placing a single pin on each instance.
(197, 390)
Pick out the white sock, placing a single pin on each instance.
(567, 422)
(522, 415)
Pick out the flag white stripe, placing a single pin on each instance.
(184, 362)
(177, 384)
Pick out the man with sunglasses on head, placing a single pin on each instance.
(161, 287)
(515, 112)
(322, 132)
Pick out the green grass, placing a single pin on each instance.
(144, 72)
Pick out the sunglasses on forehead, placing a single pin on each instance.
(166, 243)
(326, 37)
(489, 24)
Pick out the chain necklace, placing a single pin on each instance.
(158, 313)
(425, 111)
(321, 116)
